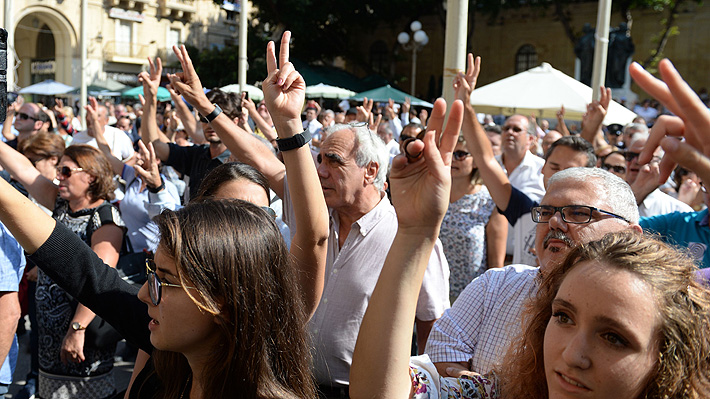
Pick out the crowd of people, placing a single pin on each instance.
(280, 249)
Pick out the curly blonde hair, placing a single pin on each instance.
(683, 367)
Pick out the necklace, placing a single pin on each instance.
(187, 384)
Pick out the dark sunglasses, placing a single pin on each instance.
(25, 117)
(461, 155)
(629, 156)
(155, 286)
(615, 168)
(66, 171)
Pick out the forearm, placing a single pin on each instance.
(381, 357)
(265, 128)
(423, 329)
(7, 128)
(83, 316)
(186, 117)
(28, 223)
(9, 316)
(249, 149)
(496, 238)
(481, 150)
(562, 127)
(309, 244)
(149, 130)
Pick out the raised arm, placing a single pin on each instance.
(480, 147)
(284, 93)
(149, 125)
(249, 149)
(186, 116)
(496, 238)
(265, 128)
(95, 129)
(420, 193)
(594, 117)
(40, 188)
(561, 125)
(692, 120)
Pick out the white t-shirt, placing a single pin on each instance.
(120, 144)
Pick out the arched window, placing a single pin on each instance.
(525, 58)
(378, 56)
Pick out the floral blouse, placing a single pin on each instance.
(428, 384)
(463, 236)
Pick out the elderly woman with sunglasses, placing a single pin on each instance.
(80, 202)
(224, 311)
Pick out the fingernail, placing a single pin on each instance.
(280, 82)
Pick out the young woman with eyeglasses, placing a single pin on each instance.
(79, 202)
(224, 313)
(473, 233)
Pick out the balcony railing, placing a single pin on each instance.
(132, 53)
(181, 9)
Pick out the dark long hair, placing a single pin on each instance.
(233, 254)
(683, 368)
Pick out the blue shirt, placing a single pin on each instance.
(688, 230)
(12, 265)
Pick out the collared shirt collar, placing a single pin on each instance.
(369, 220)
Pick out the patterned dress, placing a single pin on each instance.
(463, 235)
(91, 379)
(428, 384)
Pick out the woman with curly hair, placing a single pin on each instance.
(68, 365)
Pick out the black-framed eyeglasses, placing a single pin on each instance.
(66, 171)
(629, 156)
(575, 214)
(614, 168)
(155, 286)
(25, 117)
(460, 155)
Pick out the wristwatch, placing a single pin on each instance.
(156, 190)
(297, 141)
(76, 326)
(210, 117)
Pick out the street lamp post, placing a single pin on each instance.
(420, 39)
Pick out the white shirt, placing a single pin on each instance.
(485, 318)
(526, 177)
(660, 203)
(392, 149)
(312, 126)
(121, 146)
(350, 277)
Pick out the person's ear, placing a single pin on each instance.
(53, 160)
(371, 172)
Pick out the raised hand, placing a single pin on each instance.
(284, 88)
(691, 122)
(93, 127)
(58, 106)
(420, 188)
(187, 83)
(423, 116)
(464, 84)
(364, 110)
(373, 123)
(15, 106)
(151, 79)
(597, 109)
(148, 170)
(407, 104)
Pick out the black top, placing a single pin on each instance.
(518, 205)
(67, 260)
(194, 161)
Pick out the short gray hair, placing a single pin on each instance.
(637, 127)
(370, 148)
(616, 192)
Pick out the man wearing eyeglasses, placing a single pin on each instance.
(580, 205)
(643, 180)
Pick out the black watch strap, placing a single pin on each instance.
(297, 141)
(157, 189)
(212, 115)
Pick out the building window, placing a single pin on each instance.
(124, 38)
(525, 58)
(173, 38)
(378, 56)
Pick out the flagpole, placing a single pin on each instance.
(601, 36)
